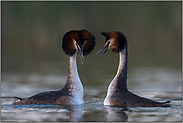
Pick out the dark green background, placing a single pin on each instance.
(32, 33)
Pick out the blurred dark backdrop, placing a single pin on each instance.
(32, 32)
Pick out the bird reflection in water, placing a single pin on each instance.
(116, 114)
(74, 114)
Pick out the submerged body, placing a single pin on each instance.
(59, 97)
(127, 98)
(72, 92)
(118, 93)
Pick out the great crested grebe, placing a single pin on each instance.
(118, 93)
(81, 41)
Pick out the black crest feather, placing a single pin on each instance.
(122, 41)
(89, 43)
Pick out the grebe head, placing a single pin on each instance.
(114, 40)
(81, 41)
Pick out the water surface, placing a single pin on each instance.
(160, 84)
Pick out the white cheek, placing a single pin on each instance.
(112, 44)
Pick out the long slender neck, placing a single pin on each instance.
(73, 84)
(72, 70)
(118, 84)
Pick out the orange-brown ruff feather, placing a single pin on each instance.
(72, 92)
(118, 93)
(82, 37)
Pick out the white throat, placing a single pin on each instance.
(112, 89)
(75, 86)
(122, 61)
(73, 71)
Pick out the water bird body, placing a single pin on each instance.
(81, 41)
(118, 93)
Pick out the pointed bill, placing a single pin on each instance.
(103, 52)
(80, 51)
(105, 47)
